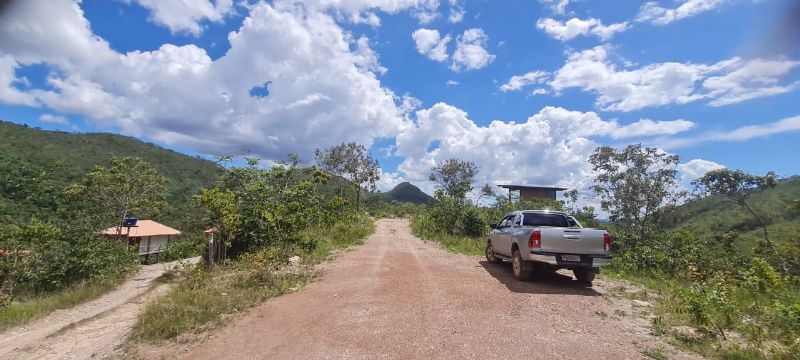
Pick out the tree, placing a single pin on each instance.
(737, 186)
(454, 177)
(352, 162)
(634, 185)
(129, 186)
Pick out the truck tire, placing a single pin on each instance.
(490, 256)
(522, 270)
(584, 275)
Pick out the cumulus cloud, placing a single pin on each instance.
(726, 82)
(323, 82)
(653, 13)
(471, 51)
(517, 82)
(9, 93)
(555, 139)
(186, 15)
(696, 168)
(456, 12)
(431, 44)
(574, 27)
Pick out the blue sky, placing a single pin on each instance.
(525, 89)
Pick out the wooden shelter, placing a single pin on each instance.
(528, 192)
(151, 237)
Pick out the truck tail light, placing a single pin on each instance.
(607, 242)
(535, 242)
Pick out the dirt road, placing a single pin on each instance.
(91, 330)
(398, 297)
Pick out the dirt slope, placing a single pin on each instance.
(91, 330)
(398, 297)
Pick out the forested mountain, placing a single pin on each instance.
(67, 157)
(406, 192)
(715, 215)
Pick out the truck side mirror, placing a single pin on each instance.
(493, 226)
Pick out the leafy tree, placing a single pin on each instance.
(454, 177)
(737, 186)
(634, 185)
(129, 186)
(352, 162)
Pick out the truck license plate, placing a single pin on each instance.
(570, 257)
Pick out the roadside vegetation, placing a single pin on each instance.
(274, 224)
(715, 291)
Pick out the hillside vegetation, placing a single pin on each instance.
(713, 216)
(71, 155)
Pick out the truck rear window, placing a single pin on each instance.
(540, 219)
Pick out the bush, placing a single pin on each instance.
(471, 223)
(45, 257)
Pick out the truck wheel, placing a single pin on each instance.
(490, 254)
(522, 270)
(584, 275)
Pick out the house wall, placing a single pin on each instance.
(530, 194)
(153, 244)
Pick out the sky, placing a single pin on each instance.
(526, 90)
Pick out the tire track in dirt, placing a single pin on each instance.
(93, 329)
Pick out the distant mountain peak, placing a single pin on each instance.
(407, 192)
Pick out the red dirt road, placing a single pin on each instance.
(397, 297)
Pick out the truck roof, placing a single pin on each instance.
(539, 211)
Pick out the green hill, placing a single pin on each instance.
(406, 192)
(715, 215)
(72, 155)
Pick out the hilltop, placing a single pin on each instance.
(75, 154)
(406, 192)
(714, 215)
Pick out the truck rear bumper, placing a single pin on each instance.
(556, 260)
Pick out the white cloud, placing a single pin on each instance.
(456, 12)
(653, 13)
(726, 82)
(555, 139)
(452, 83)
(471, 51)
(388, 180)
(323, 85)
(556, 6)
(647, 127)
(55, 119)
(186, 15)
(749, 80)
(431, 44)
(574, 27)
(695, 169)
(517, 82)
(8, 92)
(791, 124)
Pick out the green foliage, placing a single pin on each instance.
(44, 257)
(128, 186)
(454, 177)
(65, 158)
(352, 162)
(738, 186)
(635, 185)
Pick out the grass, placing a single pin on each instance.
(203, 299)
(750, 320)
(28, 309)
(453, 243)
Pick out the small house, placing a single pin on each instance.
(528, 193)
(150, 236)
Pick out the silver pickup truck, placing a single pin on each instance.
(542, 238)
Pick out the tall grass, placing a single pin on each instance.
(202, 299)
(423, 229)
